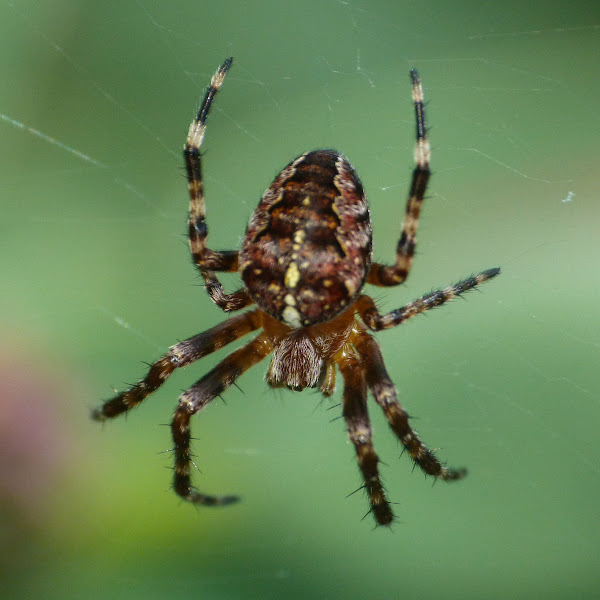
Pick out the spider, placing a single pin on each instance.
(305, 258)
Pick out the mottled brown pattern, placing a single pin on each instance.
(304, 262)
(314, 219)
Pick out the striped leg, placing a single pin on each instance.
(383, 275)
(385, 395)
(359, 432)
(195, 399)
(208, 261)
(374, 320)
(179, 355)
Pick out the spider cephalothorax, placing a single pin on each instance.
(305, 259)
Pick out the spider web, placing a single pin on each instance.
(94, 112)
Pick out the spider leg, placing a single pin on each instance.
(208, 261)
(375, 321)
(359, 432)
(385, 395)
(195, 399)
(383, 275)
(179, 355)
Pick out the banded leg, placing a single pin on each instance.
(195, 399)
(385, 395)
(208, 261)
(179, 355)
(359, 432)
(383, 275)
(375, 321)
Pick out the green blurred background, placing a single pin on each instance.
(97, 278)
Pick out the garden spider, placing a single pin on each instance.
(304, 260)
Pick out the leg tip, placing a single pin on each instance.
(202, 499)
(454, 474)
(490, 273)
(97, 414)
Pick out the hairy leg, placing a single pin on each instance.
(208, 261)
(195, 399)
(374, 320)
(385, 395)
(359, 432)
(383, 275)
(179, 355)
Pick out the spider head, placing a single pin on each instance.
(300, 355)
(296, 363)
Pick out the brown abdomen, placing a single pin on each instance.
(307, 249)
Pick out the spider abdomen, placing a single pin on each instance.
(307, 248)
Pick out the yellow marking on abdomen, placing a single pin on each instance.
(292, 276)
